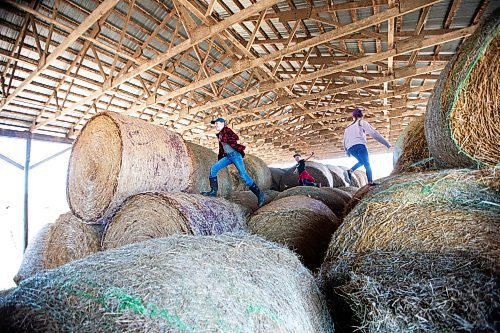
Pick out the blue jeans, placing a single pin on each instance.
(237, 160)
(361, 154)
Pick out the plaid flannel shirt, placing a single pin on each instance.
(228, 136)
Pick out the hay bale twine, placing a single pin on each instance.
(361, 176)
(411, 153)
(202, 160)
(248, 201)
(461, 124)
(58, 243)
(334, 200)
(449, 210)
(412, 292)
(337, 176)
(116, 156)
(320, 173)
(230, 283)
(159, 214)
(257, 169)
(276, 175)
(303, 224)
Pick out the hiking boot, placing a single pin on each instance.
(214, 187)
(261, 197)
(348, 176)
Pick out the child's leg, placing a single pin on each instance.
(356, 151)
(221, 164)
(307, 182)
(237, 160)
(366, 162)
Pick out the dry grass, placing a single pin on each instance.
(225, 283)
(160, 214)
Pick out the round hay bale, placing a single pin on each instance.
(160, 214)
(257, 169)
(354, 178)
(248, 201)
(412, 292)
(320, 173)
(411, 153)
(337, 176)
(361, 176)
(58, 243)
(229, 283)
(449, 210)
(116, 156)
(333, 200)
(202, 160)
(303, 224)
(461, 122)
(276, 175)
(351, 190)
(345, 195)
(356, 198)
(272, 194)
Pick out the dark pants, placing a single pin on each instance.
(361, 154)
(306, 182)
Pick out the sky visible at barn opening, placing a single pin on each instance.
(47, 194)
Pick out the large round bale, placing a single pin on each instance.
(411, 153)
(116, 156)
(225, 283)
(202, 160)
(449, 210)
(320, 173)
(461, 122)
(336, 201)
(248, 201)
(159, 214)
(354, 178)
(361, 176)
(58, 243)
(303, 224)
(257, 169)
(351, 190)
(276, 175)
(412, 292)
(337, 176)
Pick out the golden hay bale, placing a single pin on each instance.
(276, 175)
(58, 243)
(461, 122)
(202, 160)
(336, 201)
(303, 224)
(449, 210)
(356, 198)
(257, 169)
(412, 292)
(116, 156)
(160, 214)
(411, 153)
(337, 176)
(224, 283)
(248, 201)
(320, 173)
(361, 176)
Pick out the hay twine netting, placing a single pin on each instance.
(411, 153)
(449, 210)
(318, 171)
(202, 160)
(461, 124)
(58, 243)
(412, 292)
(303, 224)
(229, 283)
(334, 200)
(257, 169)
(116, 156)
(160, 214)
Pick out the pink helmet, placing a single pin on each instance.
(358, 112)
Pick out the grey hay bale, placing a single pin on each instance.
(354, 178)
(276, 175)
(449, 210)
(224, 283)
(320, 173)
(411, 153)
(461, 122)
(333, 200)
(412, 292)
(160, 214)
(337, 176)
(303, 224)
(248, 201)
(58, 243)
(351, 190)
(116, 156)
(362, 178)
(202, 160)
(257, 169)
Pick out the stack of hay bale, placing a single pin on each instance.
(420, 251)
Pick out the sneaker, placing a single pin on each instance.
(372, 184)
(348, 176)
